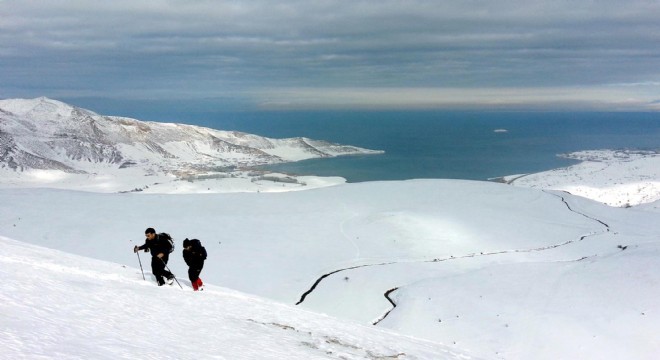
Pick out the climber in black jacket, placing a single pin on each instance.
(160, 249)
(194, 255)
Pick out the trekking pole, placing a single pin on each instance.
(138, 254)
(168, 269)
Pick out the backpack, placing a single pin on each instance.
(167, 237)
(197, 245)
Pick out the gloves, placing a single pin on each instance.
(135, 249)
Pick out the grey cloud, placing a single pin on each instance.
(183, 49)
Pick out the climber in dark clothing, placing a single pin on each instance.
(194, 255)
(160, 248)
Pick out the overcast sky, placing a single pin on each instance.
(550, 54)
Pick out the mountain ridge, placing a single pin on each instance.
(47, 134)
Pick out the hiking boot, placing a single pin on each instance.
(170, 281)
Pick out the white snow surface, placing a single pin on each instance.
(57, 305)
(490, 270)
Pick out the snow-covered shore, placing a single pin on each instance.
(133, 180)
(615, 177)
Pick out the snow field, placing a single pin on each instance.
(58, 305)
(504, 272)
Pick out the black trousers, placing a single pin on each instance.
(194, 271)
(158, 269)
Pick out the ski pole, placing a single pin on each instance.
(168, 269)
(138, 254)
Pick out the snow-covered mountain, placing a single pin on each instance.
(47, 134)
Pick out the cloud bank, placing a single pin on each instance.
(361, 53)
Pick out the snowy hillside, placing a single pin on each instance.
(56, 305)
(47, 139)
(498, 271)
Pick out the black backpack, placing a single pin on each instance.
(167, 237)
(197, 245)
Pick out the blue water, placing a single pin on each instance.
(453, 145)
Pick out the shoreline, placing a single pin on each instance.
(619, 178)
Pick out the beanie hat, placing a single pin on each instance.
(186, 243)
(150, 231)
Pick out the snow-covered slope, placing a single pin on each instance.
(500, 271)
(56, 305)
(45, 134)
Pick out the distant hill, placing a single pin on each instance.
(47, 134)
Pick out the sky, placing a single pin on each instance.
(255, 55)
